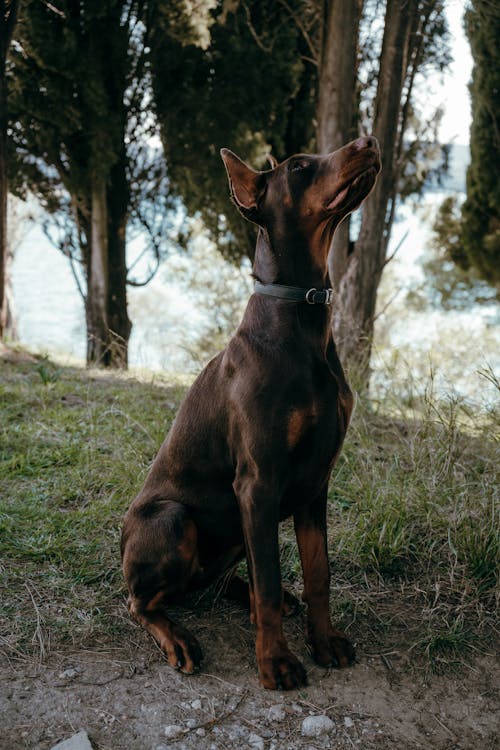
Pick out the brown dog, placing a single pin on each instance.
(256, 437)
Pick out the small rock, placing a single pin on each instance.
(172, 730)
(315, 726)
(191, 723)
(201, 732)
(256, 742)
(276, 712)
(348, 722)
(70, 673)
(78, 741)
(196, 704)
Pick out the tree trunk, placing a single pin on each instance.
(109, 325)
(119, 323)
(355, 311)
(336, 111)
(337, 74)
(98, 336)
(8, 17)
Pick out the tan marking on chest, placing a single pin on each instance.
(299, 421)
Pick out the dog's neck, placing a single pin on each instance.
(291, 260)
(290, 264)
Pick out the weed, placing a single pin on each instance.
(47, 371)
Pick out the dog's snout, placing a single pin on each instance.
(367, 141)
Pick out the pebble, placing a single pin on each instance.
(201, 732)
(172, 730)
(70, 673)
(348, 722)
(196, 705)
(78, 741)
(315, 726)
(256, 742)
(276, 713)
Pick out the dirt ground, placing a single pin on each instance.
(127, 698)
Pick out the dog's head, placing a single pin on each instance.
(306, 189)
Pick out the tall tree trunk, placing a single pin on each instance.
(118, 320)
(355, 311)
(8, 17)
(108, 323)
(98, 337)
(336, 111)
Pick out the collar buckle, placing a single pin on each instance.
(319, 296)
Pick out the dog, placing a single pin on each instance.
(256, 438)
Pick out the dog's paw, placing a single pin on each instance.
(182, 650)
(283, 671)
(333, 650)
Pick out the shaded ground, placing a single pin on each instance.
(125, 696)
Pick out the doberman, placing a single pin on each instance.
(256, 438)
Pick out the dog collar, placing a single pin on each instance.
(311, 296)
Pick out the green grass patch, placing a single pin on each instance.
(414, 523)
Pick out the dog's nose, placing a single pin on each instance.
(367, 141)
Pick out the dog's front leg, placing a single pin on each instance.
(330, 647)
(278, 667)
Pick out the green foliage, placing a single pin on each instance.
(235, 93)
(47, 371)
(68, 76)
(254, 88)
(481, 211)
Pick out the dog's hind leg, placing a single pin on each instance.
(238, 590)
(160, 562)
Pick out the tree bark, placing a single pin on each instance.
(98, 336)
(337, 106)
(119, 322)
(8, 17)
(355, 309)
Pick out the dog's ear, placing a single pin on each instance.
(272, 161)
(246, 184)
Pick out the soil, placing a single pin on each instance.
(127, 698)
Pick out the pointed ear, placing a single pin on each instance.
(272, 161)
(245, 183)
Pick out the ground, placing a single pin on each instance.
(125, 696)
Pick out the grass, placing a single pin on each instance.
(414, 513)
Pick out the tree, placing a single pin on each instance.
(481, 210)
(236, 88)
(361, 90)
(288, 65)
(79, 85)
(8, 17)
(70, 75)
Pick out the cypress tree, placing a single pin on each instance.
(481, 210)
